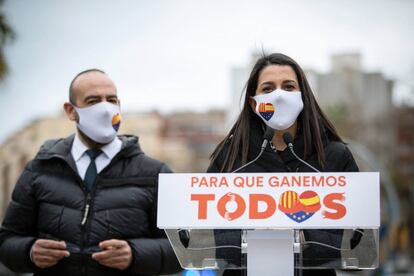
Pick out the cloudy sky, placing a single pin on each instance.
(171, 55)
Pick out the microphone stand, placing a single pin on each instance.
(267, 137)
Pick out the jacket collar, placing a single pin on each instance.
(269, 161)
(275, 161)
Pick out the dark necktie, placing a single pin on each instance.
(91, 172)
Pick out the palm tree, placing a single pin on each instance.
(6, 34)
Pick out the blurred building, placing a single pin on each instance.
(183, 140)
(404, 169)
(405, 144)
(359, 103)
(238, 80)
(190, 138)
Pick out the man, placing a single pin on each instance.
(86, 205)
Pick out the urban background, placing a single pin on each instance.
(361, 100)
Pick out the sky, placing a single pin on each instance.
(178, 55)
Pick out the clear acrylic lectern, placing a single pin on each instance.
(267, 229)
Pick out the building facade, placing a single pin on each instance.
(359, 103)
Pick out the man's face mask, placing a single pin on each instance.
(100, 122)
(279, 109)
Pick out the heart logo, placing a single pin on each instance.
(299, 208)
(266, 110)
(116, 121)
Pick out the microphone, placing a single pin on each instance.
(267, 137)
(356, 237)
(184, 236)
(289, 142)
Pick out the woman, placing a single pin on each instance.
(278, 96)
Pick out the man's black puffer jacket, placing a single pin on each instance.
(49, 202)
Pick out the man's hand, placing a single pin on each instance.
(115, 254)
(47, 253)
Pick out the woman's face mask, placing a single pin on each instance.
(279, 109)
(100, 122)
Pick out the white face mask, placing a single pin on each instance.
(100, 122)
(279, 109)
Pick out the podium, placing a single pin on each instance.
(271, 223)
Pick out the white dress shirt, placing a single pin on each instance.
(82, 160)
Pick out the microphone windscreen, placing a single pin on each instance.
(287, 138)
(184, 236)
(268, 135)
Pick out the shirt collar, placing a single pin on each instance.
(78, 148)
(110, 150)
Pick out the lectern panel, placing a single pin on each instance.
(313, 249)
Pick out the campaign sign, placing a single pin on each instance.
(269, 200)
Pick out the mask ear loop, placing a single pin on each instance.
(262, 124)
(77, 117)
(252, 101)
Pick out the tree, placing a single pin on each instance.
(6, 34)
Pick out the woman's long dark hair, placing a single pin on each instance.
(312, 120)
